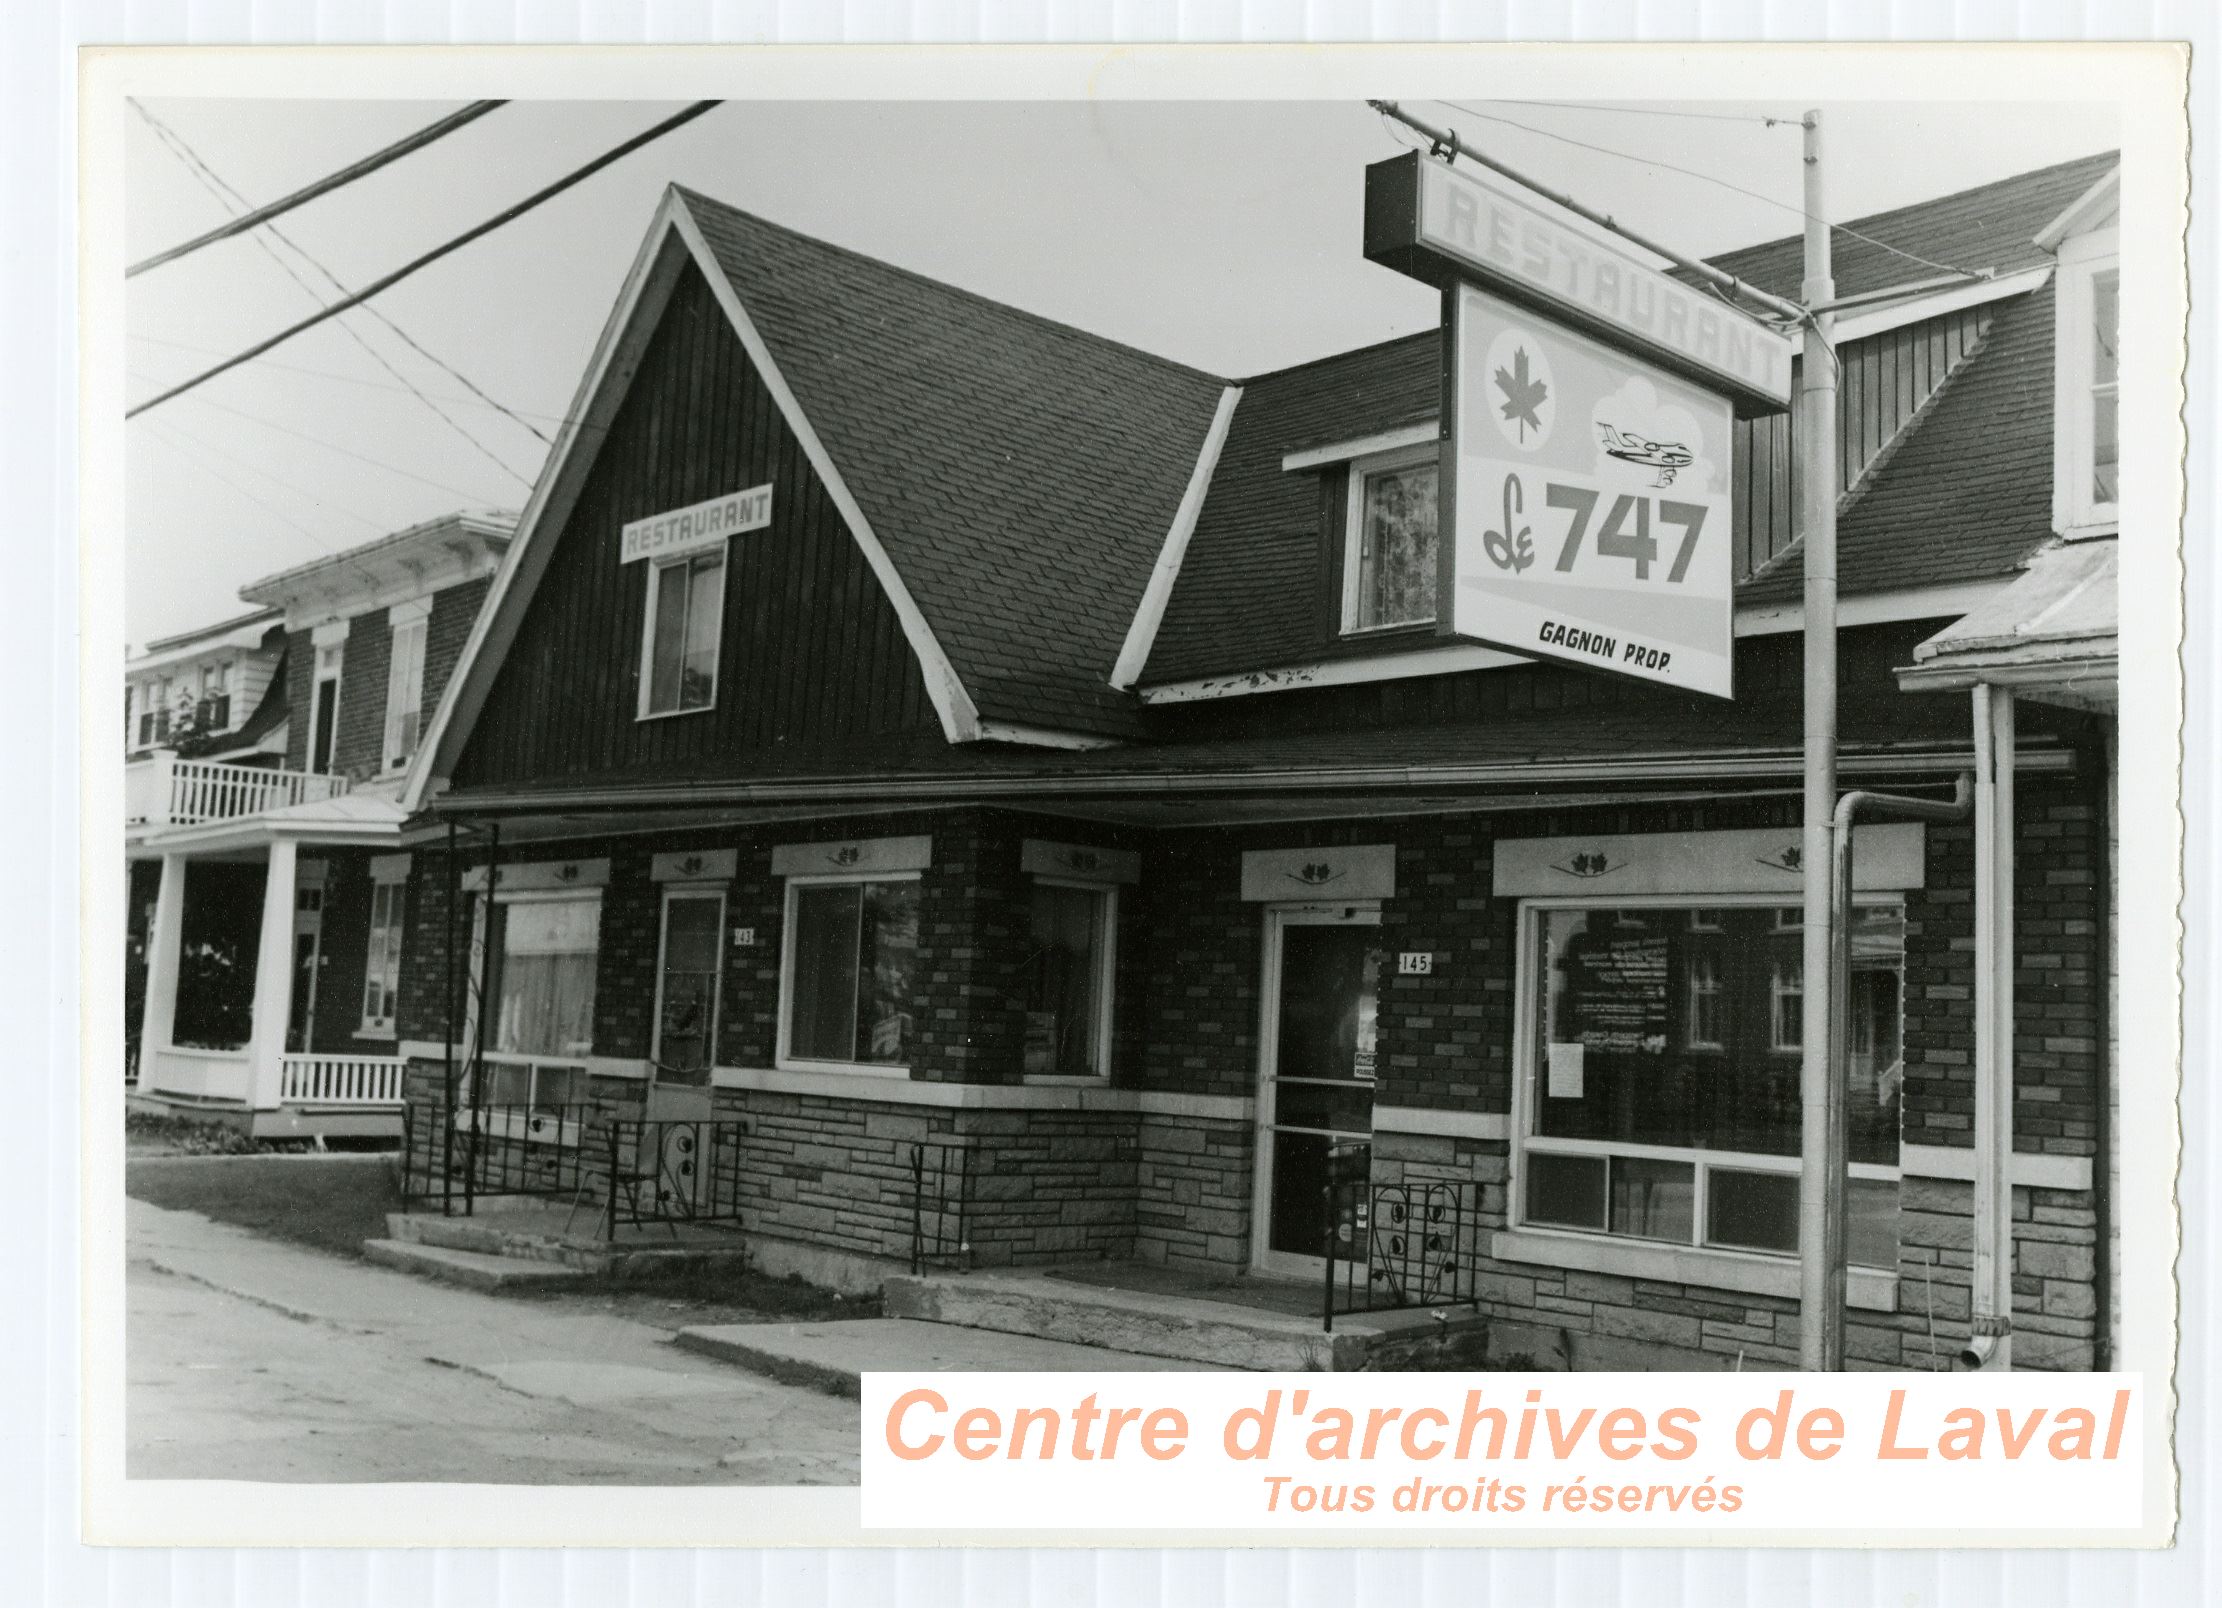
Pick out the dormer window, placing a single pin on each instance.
(2086, 410)
(1389, 550)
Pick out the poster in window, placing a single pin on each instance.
(1616, 991)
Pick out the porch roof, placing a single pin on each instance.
(352, 818)
(1645, 745)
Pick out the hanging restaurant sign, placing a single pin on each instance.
(1443, 224)
(704, 524)
(1585, 499)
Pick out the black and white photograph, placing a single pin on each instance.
(767, 739)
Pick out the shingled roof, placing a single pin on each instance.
(1022, 474)
(1966, 494)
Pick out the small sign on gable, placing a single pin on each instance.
(704, 524)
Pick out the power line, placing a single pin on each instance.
(1658, 111)
(163, 435)
(507, 215)
(214, 182)
(324, 186)
(333, 446)
(278, 480)
(556, 419)
(1708, 178)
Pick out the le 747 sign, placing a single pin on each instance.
(1587, 503)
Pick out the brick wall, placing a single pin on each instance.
(359, 748)
(300, 691)
(454, 610)
(344, 945)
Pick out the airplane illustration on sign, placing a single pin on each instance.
(1628, 447)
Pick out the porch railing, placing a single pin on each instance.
(940, 1201)
(1415, 1243)
(163, 790)
(355, 1080)
(672, 1171)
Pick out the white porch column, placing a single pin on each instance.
(158, 1011)
(273, 980)
(1991, 1343)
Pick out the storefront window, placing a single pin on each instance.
(852, 949)
(1664, 1095)
(1390, 565)
(1068, 980)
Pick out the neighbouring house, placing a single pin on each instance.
(263, 824)
(1004, 790)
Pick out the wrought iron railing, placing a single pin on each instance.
(671, 1172)
(940, 1201)
(615, 1172)
(1415, 1243)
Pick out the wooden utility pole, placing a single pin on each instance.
(1821, 1080)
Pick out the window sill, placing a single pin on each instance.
(1065, 1080)
(376, 1030)
(672, 714)
(1403, 628)
(1868, 1289)
(845, 1069)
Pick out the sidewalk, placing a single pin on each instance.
(252, 1359)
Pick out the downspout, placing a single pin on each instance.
(1991, 1306)
(485, 929)
(1848, 809)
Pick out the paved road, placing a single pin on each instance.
(251, 1359)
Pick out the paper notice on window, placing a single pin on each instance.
(1565, 1071)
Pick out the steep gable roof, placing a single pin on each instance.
(1021, 474)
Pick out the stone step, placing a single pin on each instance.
(473, 1270)
(1148, 1323)
(834, 1357)
(488, 1238)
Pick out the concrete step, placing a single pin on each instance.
(540, 1237)
(473, 1269)
(1183, 1328)
(834, 1357)
(488, 1237)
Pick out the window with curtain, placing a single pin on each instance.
(1390, 554)
(405, 692)
(852, 950)
(1663, 1092)
(686, 600)
(544, 953)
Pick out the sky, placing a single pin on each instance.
(1221, 234)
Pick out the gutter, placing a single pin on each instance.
(1757, 765)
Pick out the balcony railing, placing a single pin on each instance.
(163, 790)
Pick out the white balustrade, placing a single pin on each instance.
(354, 1080)
(203, 790)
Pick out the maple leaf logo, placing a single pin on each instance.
(1524, 394)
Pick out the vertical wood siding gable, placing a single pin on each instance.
(813, 654)
(1885, 380)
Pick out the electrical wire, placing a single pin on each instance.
(164, 434)
(333, 446)
(556, 419)
(324, 186)
(507, 215)
(278, 480)
(216, 185)
(1725, 184)
(1660, 111)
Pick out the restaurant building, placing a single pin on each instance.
(1005, 793)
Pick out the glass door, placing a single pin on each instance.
(687, 985)
(1322, 990)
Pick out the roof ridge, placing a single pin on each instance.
(881, 263)
(1876, 219)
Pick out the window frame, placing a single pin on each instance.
(672, 892)
(1353, 532)
(396, 895)
(412, 622)
(1106, 982)
(329, 663)
(2075, 511)
(655, 569)
(1599, 1245)
(783, 1058)
(505, 1120)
